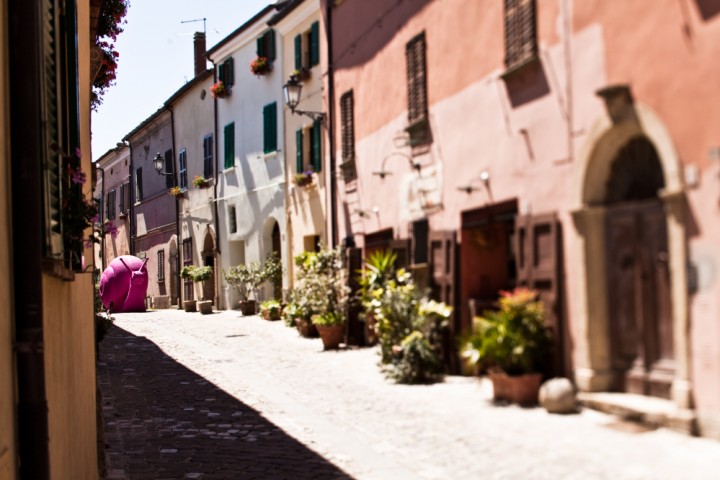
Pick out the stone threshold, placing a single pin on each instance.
(649, 411)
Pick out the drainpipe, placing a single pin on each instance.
(177, 208)
(216, 179)
(331, 124)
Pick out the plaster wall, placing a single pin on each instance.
(69, 329)
(306, 206)
(255, 185)
(194, 120)
(116, 165)
(8, 430)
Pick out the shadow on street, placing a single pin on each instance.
(162, 420)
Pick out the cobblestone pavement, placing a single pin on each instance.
(232, 397)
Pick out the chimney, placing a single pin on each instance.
(200, 53)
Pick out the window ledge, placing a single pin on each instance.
(270, 155)
(228, 169)
(520, 67)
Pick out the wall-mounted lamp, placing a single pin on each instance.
(470, 187)
(382, 173)
(292, 91)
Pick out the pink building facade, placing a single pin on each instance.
(567, 146)
(112, 191)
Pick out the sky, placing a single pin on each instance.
(156, 58)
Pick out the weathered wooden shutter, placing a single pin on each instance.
(417, 85)
(169, 168)
(520, 31)
(270, 127)
(315, 44)
(260, 46)
(221, 73)
(298, 52)
(127, 196)
(538, 267)
(207, 156)
(317, 146)
(230, 145)
(442, 253)
(348, 125)
(299, 164)
(122, 199)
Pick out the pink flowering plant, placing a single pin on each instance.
(219, 90)
(260, 66)
(109, 26)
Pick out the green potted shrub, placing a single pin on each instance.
(514, 343)
(299, 312)
(198, 275)
(270, 310)
(246, 279)
(379, 269)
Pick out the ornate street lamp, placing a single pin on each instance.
(292, 91)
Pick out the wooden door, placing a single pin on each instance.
(538, 250)
(442, 254)
(639, 307)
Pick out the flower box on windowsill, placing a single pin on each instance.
(176, 192)
(301, 75)
(304, 179)
(260, 66)
(200, 182)
(219, 90)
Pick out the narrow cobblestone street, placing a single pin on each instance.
(229, 397)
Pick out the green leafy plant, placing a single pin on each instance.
(200, 182)
(322, 281)
(246, 279)
(272, 272)
(328, 319)
(513, 338)
(197, 275)
(270, 309)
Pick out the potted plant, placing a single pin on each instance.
(513, 342)
(300, 74)
(260, 66)
(219, 90)
(271, 310)
(200, 182)
(186, 273)
(379, 269)
(176, 192)
(298, 313)
(246, 279)
(303, 179)
(198, 275)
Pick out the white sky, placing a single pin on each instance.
(156, 58)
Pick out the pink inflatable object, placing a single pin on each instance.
(123, 285)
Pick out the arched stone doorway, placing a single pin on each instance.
(637, 275)
(272, 245)
(630, 234)
(208, 259)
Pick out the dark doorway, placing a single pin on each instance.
(209, 260)
(277, 252)
(638, 277)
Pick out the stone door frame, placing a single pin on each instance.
(609, 133)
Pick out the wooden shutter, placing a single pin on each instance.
(520, 31)
(221, 73)
(316, 146)
(538, 267)
(417, 86)
(230, 145)
(270, 44)
(127, 196)
(229, 72)
(169, 168)
(299, 164)
(298, 52)
(208, 156)
(122, 199)
(315, 44)
(442, 250)
(260, 44)
(270, 127)
(138, 185)
(348, 126)
(161, 266)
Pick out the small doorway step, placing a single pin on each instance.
(650, 411)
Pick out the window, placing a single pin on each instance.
(230, 145)
(270, 128)
(161, 266)
(170, 169)
(266, 45)
(187, 260)
(125, 198)
(307, 48)
(138, 185)
(347, 117)
(226, 72)
(208, 167)
(420, 230)
(520, 32)
(110, 205)
(417, 84)
(310, 156)
(232, 219)
(182, 161)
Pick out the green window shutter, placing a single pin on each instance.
(298, 52)
(229, 145)
(315, 44)
(261, 46)
(270, 44)
(316, 149)
(300, 165)
(221, 73)
(270, 128)
(230, 72)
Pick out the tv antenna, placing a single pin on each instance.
(196, 20)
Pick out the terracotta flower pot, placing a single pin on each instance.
(305, 328)
(331, 335)
(189, 305)
(521, 389)
(248, 307)
(205, 307)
